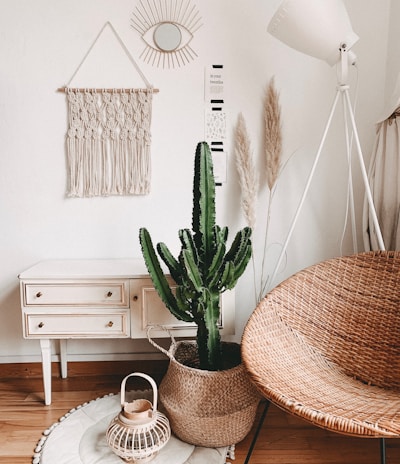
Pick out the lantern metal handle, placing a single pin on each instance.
(144, 376)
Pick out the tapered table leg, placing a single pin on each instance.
(63, 358)
(46, 369)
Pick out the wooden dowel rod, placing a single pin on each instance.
(65, 89)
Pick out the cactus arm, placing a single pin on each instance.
(221, 235)
(172, 264)
(159, 280)
(239, 255)
(192, 271)
(227, 276)
(239, 245)
(213, 271)
(154, 268)
(187, 241)
(242, 250)
(242, 264)
(183, 300)
(238, 270)
(203, 217)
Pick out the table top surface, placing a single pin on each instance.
(86, 268)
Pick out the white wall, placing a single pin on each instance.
(41, 44)
(393, 54)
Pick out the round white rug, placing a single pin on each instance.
(79, 437)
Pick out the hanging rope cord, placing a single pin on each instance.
(124, 47)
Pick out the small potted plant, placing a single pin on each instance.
(205, 268)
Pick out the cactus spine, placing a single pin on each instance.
(204, 268)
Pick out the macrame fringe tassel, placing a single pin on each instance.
(108, 143)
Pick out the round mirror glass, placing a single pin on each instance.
(167, 37)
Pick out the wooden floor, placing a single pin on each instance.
(283, 438)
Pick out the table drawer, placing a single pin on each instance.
(97, 294)
(77, 325)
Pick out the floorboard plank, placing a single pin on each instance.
(283, 439)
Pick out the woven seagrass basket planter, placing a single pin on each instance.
(207, 408)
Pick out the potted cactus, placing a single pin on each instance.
(205, 268)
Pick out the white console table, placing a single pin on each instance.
(64, 299)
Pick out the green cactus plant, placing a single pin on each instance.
(204, 268)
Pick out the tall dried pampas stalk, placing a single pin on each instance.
(247, 174)
(273, 154)
(272, 134)
(248, 178)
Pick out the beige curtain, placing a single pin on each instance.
(384, 177)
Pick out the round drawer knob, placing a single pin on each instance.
(110, 324)
(109, 294)
(40, 325)
(135, 298)
(39, 294)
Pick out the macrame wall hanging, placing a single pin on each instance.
(108, 139)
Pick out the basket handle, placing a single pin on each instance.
(149, 379)
(156, 345)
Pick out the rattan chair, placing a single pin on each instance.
(324, 345)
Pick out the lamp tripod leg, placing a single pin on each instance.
(350, 202)
(364, 171)
(342, 89)
(307, 187)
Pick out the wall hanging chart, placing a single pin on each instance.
(216, 119)
(167, 27)
(108, 139)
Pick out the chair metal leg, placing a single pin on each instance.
(257, 432)
(261, 422)
(383, 451)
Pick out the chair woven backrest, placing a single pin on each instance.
(348, 308)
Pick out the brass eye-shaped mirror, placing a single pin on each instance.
(167, 28)
(167, 37)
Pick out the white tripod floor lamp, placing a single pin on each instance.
(322, 29)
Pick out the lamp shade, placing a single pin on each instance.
(315, 27)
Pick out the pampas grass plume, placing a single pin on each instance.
(272, 134)
(247, 174)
